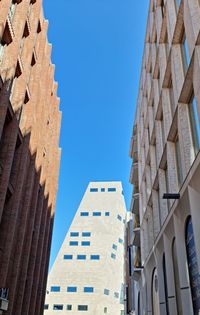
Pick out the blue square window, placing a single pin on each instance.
(86, 234)
(113, 256)
(102, 189)
(120, 241)
(96, 214)
(88, 289)
(55, 289)
(85, 243)
(111, 189)
(57, 307)
(81, 257)
(107, 214)
(74, 234)
(67, 257)
(84, 214)
(94, 257)
(106, 291)
(71, 289)
(114, 247)
(73, 243)
(93, 189)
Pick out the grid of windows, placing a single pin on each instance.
(55, 289)
(113, 256)
(111, 189)
(85, 243)
(106, 291)
(88, 289)
(82, 307)
(73, 243)
(86, 234)
(67, 257)
(74, 234)
(81, 257)
(84, 214)
(96, 214)
(93, 189)
(71, 289)
(58, 307)
(94, 257)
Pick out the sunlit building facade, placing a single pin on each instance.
(88, 273)
(166, 163)
(29, 156)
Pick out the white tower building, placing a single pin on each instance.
(88, 273)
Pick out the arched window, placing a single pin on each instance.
(176, 277)
(155, 293)
(165, 285)
(192, 265)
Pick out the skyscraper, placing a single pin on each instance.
(29, 155)
(165, 172)
(88, 273)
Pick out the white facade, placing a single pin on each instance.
(91, 260)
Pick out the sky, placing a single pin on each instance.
(97, 50)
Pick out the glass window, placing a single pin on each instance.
(57, 307)
(105, 310)
(73, 243)
(67, 257)
(111, 189)
(81, 257)
(107, 214)
(120, 241)
(88, 289)
(102, 189)
(69, 307)
(116, 295)
(119, 217)
(114, 247)
(71, 289)
(96, 214)
(195, 124)
(46, 306)
(86, 234)
(94, 257)
(55, 289)
(113, 256)
(84, 214)
(82, 307)
(93, 189)
(85, 243)
(74, 234)
(106, 291)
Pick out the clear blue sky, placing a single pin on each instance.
(97, 50)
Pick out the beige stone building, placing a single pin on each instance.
(29, 155)
(88, 273)
(166, 160)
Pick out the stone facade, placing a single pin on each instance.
(165, 151)
(29, 154)
(88, 273)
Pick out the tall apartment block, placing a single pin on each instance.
(88, 273)
(29, 155)
(166, 163)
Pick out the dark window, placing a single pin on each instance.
(107, 214)
(67, 257)
(113, 256)
(73, 243)
(120, 241)
(114, 247)
(165, 285)
(55, 289)
(106, 291)
(86, 234)
(94, 257)
(84, 214)
(119, 217)
(88, 289)
(82, 307)
(46, 306)
(96, 214)
(102, 189)
(93, 189)
(57, 307)
(81, 257)
(111, 189)
(69, 307)
(74, 234)
(85, 243)
(71, 289)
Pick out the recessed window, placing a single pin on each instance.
(71, 289)
(94, 257)
(85, 243)
(55, 289)
(124, 221)
(107, 214)
(73, 243)
(120, 241)
(81, 257)
(84, 214)
(114, 247)
(74, 234)
(111, 189)
(88, 289)
(86, 234)
(82, 307)
(67, 257)
(96, 214)
(93, 189)
(46, 306)
(113, 256)
(102, 189)
(116, 295)
(69, 307)
(106, 291)
(105, 310)
(119, 217)
(58, 307)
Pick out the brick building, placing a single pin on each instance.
(166, 161)
(29, 155)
